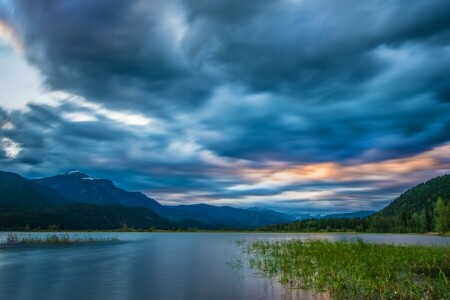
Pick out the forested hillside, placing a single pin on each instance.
(82, 217)
(420, 198)
(414, 211)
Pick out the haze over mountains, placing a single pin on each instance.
(74, 193)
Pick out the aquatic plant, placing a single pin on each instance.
(355, 270)
(15, 239)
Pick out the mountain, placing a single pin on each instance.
(222, 216)
(75, 200)
(17, 191)
(356, 214)
(296, 216)
(412, 211)
(304, 216)
(420, 198)
(83, 188)
(26, 202)
(273, 213)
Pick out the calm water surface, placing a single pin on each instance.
(152, 266)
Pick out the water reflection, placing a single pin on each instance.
(151, 266)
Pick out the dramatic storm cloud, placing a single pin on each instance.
(313, 105)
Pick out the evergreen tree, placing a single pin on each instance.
(442, 216)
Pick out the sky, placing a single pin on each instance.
(300, 105)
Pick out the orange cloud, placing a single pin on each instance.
(278, 174)
(330, 171)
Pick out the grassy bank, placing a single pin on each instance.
(356, 270)
(15, 239)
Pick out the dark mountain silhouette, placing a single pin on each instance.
(82, 188)
(99, 204)
(221, 216)
(17, 191)
(85, 189)
(27, 203)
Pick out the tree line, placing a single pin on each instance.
(431, 218)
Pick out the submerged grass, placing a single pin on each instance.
(355, 270)
(15, 239)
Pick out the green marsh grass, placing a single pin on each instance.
(15, 239)
(355, 269)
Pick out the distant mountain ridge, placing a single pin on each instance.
(83, 188)
(356, 214)
(76, 188)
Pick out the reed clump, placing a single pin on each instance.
(355, 270)
(15, 239)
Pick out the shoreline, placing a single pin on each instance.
(225, 232)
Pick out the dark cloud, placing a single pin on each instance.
(302, 46)
(117, 51)
(227, 84)
(148, 51)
